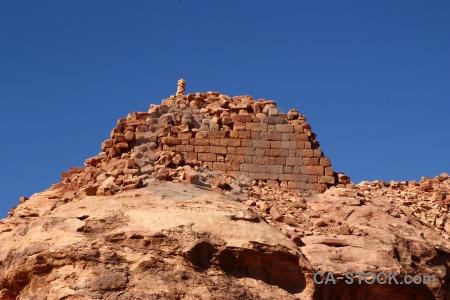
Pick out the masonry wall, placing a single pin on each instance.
(239, 136)
(236, 136)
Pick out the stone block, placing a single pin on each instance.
(256, 126)
(192, 176)
(201, 149)
(306, 153)
(275, 144)
(278, 160)
(291, 145)
(246, 143)
(261, 159)
(302, 177)
(318, 153)
(293, 161)
(280, 119)
(214, 142)
(230, 158)
(325, 162)
(241, 118)
(244, 134)
(122, 146)
(230, 142)
(239, 126)
(185, 135)
(199, 142)
(231, 150)
(247, 167)
(185, 148)
(300, 137)
(261, 144)
(234, 134)
(284, 128)
(129, 136)
(107, 144)
(287, 169)
(262, 117)
(255, 135)
(170, 141)
(191, 156)
(312, 170)
(275, 169)
(259, 176)
(273, 111)
(270, 136)
(259, 152)
(221, 134)
(276, 152)
(329, 171)
(214, 126)
(208, 157)
(327, 179)
(113, 152)
(221, 166)
(288, 177)
(310, 161)
(235, 166)
(245, 151)
(313, 178)
(202, 134)
(275, 214)
(216, 149)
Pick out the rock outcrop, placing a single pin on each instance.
(176, 240)
(214, 197)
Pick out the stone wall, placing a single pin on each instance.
(236, 136)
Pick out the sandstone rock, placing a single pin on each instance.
(320, 223)
(192, 176)
(276, 215)
(89, 191)
(292, 114)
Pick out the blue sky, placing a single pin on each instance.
(372, 77)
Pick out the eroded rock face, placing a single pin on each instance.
(174, 241)
(208, 196)
(183, 241)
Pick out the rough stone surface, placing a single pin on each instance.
(196, 242)
(208, 196)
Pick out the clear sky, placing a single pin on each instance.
(372, 77)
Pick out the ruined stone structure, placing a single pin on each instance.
(235, 136)
(181, 86)
(257, 233)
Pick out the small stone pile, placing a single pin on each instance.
(234, 136)
(428, 200)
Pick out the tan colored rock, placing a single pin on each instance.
(275, 213)
(181, 86)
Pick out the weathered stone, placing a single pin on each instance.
(276, 215)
